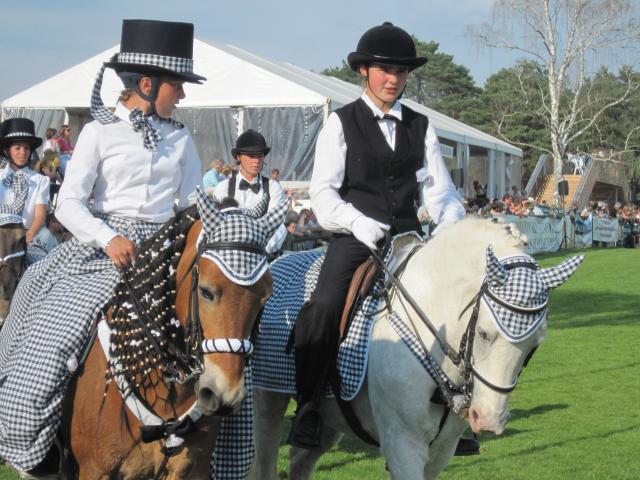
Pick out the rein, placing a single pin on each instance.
(459, 398)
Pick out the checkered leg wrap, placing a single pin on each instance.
(51, 312)
(150, 135)
(19, 183)
(235, 448)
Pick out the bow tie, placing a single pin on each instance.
(390, 117)
(254, 187)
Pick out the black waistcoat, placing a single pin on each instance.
(378, 181)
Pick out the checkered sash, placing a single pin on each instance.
(51, 313)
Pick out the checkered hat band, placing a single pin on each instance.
(18, 134)
(175, 64)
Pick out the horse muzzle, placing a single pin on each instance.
(483, 421)
(216, 395)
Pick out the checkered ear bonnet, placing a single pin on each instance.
(19, 183)
(519, 289)
(150, 135)
(237, 225)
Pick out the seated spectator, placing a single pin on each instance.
(51, 142)
(515, 194)
(497, 208)
(226, 170)
(275, 175)
(292, 242)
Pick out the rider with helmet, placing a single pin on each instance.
(373, 158)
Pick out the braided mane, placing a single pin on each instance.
(145, 333)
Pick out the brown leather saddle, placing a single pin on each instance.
(359, 288)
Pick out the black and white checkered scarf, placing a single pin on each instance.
(150, 135)
(19, 183)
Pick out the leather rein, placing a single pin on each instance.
(458, 398)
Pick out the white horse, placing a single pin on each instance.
(454, 275)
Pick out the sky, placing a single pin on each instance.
(41, 38)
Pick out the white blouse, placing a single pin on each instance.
(38, 193)
(248, 199)
(110, 165)
(437, 191)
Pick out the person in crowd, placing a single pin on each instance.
(113, 156)
(293, 242)
(508, 203)
(480, 193)
(275, 175)
(515, 194)
(226, 171)
(373, 157)
(64, 147)
(48, 166)
(51, 140)
(23, 191)
(247, 186)
(213, 177)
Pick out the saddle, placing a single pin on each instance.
(359, 288)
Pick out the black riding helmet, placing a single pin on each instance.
(388, 45)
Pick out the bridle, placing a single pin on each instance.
(459, 397)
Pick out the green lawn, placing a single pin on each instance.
(576, 412)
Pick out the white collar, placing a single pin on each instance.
(122, 112)
(395, 111)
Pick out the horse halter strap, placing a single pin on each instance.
(238, 346)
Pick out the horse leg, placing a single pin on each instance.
(268, 417)
(444, 446)
(302, 462)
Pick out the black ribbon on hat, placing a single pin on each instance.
(254, 187)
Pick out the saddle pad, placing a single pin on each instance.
(294, 279)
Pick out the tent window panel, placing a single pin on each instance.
(291, 132)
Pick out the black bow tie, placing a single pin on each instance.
(254, 187)
(390, 117)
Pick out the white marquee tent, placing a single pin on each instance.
(286, 103)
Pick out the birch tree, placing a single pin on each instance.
(569, 38)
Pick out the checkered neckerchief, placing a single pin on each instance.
(19, 183)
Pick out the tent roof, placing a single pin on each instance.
(235, 78)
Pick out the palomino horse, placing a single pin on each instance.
(493, 306)
(13, 259)
(197, 370)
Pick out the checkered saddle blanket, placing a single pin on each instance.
(294, 278)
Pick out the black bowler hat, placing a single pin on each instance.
(250, 142)
(156, 48)
(14, 130)
(386, 44)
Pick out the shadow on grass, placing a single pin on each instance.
(541, 448)
(577, 309)
(517, 414)
(351, 445)
(583, 373)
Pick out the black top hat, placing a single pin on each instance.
(14, 130)
(250, 142)
(386, 44)
(156, 48)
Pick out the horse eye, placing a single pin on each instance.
(483, 335)
(206, 293)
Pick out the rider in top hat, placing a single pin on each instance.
(373, 157)
(137, 165)
(248, 185)
(23, 192)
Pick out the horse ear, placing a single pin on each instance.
(208, 212)
(496, 273)
(273, 219)
(260, 209)
(555, 276)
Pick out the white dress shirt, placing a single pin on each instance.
(38, 192)
(110, 164)
(248, 199)
(437, 192)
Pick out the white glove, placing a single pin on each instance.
(368, 231)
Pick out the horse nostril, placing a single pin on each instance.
(206, 395)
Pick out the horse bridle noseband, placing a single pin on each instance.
(463, 357)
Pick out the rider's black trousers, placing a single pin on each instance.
(317, 328)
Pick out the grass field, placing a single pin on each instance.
(576, 412)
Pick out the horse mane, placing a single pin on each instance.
(143, 306)
(465, 243)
